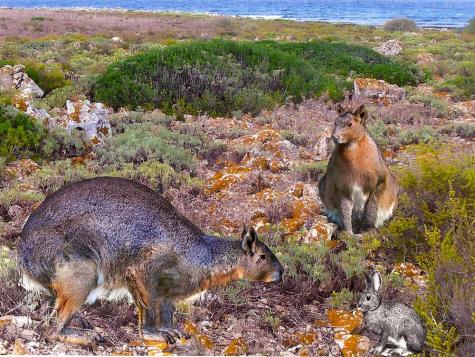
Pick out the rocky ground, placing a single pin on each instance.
(256, 177)
(262, 171)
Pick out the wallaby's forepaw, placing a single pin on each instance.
(77, 337)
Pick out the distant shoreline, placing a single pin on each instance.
(120, 10)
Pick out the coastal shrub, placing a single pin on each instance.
(220, 77)
(344, 60)
(470, 28)
(400, 24)
(48, 77)
(58, 143)
(461, 87)
(434, 225)
(143, 142)
(423, 135)
(464, 130)
(440, 108)
(20, 135)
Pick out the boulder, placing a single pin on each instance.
(15, 78)
(390, 48)
(378, 91)
(90, 117)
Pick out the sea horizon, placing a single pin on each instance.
(426, 13)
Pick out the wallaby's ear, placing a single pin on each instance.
(361, 113)
(249, 240)
(339, 109)
(367, 280)
(376, 284)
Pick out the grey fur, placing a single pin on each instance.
(396, 324)
(126, 234)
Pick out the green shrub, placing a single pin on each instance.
(434, 224)
(303, 259)
(143, 142)
(47, 77)
(462, 87)
(20, 135)
(440, 108)
(470, 28)
(464, 130)
(56, 98)
(423, 135)
(400, 24)
(58, 143)
(344, 60)
(220, 77)
(379, 131)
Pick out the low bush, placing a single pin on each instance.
(470, 28)
(20, 135)
(220, 77)
(434, 225)
(461, 87)
(440, 108)
(400, 24)
(143, 142)
(423, 135)
(48, 77)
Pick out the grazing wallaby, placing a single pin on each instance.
(398, 325)
(93, 237)
(358, 190)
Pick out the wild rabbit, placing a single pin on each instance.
(400, 328)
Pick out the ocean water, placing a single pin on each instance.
(427, 13)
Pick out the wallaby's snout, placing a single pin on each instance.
(259, 263)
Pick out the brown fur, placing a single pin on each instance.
(358, 190)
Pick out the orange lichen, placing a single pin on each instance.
(298, 189)
(95, 140)
(408, 270)
(226, 177)
(202, 339)
(237, 347)
(104, 130)
(352, 345)
(19, 349)
(303, 209)
(20, 103)
(349, 321)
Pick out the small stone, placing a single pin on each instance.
(390, 48)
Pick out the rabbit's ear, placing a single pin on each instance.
(376, 284)
(367, 280)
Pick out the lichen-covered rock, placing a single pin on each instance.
(390, 48)
(15, 78)
(321, 231)
(90, 117)
(345, 324)
(378, 91)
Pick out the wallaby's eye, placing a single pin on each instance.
(262, 257)
(349, 124)
(368, 297)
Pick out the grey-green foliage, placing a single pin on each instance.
(141, 142)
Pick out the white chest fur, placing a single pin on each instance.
(359, 199)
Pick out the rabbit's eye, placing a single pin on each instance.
(368, 297)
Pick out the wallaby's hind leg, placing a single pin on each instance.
(72, 284)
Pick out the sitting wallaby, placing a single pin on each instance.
(358, 190)
(93, 237)
(397, 325)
